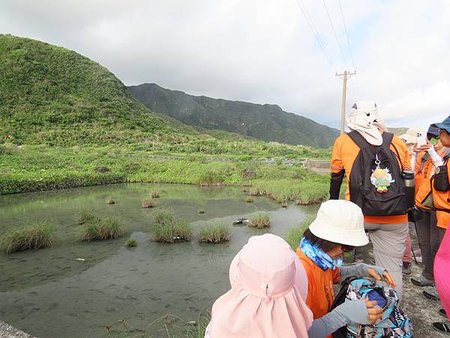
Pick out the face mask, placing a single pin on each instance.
(434, 141)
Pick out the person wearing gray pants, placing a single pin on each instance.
(388, 248)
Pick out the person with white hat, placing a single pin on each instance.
(337, 228)
(266, 299)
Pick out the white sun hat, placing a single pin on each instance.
(410, 137)
(341, 222)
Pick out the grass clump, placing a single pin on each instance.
(131, 243)
(295, 234)
(150, 203)
(249, 199)
(34, 237)
(154, 194)
(260, 221)
(101, 230)
(167, 229)
(86, 217)
(214, 233)
(201, 211)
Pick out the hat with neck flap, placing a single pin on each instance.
(363, 118)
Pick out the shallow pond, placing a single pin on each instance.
(78, 289)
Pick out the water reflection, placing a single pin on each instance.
(51, 293)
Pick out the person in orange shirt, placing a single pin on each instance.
(441, 200)
(387, 232)
(428, 234)
(338, 227)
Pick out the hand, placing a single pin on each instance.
(423, 147)
(375, 313)
(386, 276)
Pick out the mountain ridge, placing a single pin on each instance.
(245, 118)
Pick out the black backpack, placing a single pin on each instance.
(377, 201)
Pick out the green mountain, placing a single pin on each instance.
(55, 96)
(265, 122)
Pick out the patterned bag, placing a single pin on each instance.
(394, 324)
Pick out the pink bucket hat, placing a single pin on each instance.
(268, 288)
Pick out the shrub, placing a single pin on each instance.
(214, 233)
(260, 221)
(167, 229)
(154, 194)
(249, 199)
(101, 230)
(201, 211)
(36, 236)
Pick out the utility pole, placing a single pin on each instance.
(345, 76)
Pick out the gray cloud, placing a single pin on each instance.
(260, 51)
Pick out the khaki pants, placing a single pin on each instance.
(388, 248)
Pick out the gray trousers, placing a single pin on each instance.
(429, 237)
(388, 248)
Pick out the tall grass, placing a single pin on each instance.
(214, 233)
(99, 229)
(308, 190)
(33, 237)
(260, 221)
(167, 229)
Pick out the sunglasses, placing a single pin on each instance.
(347, 248)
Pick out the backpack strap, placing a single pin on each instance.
(358, 139)
(391, 136)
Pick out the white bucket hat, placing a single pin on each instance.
(341, 222)
(410, 137)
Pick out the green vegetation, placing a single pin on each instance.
(36, 236)
(154, 194)
(295, 234)
(131, 243)
(260, 221)
(86, 217)
(167, 229)
(66, 121)
(98, 229)
(214, 233)
(249, 199)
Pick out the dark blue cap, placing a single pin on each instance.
(433, 130)
(444, 125)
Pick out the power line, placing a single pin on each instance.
(346, 34)
(349, 47)
(334, 32)
(314, 31)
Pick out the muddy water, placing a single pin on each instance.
(96, 289)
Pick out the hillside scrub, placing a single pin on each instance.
(66, 121)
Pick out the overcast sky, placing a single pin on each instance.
(283, 52)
